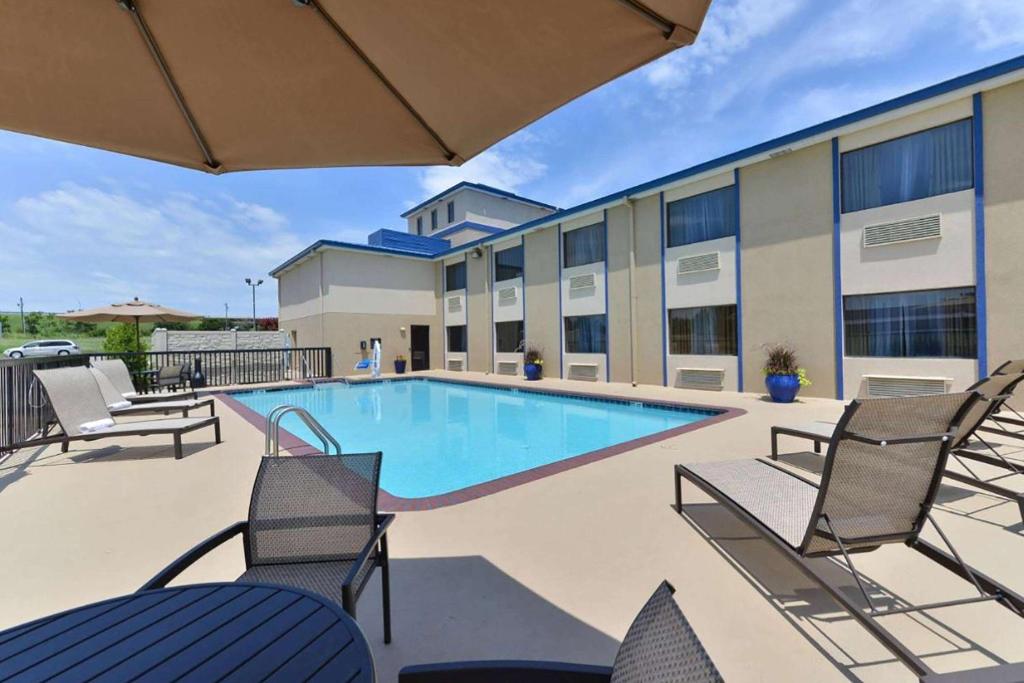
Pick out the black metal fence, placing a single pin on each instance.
(24, 410)
(241, 366)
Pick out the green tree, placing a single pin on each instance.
(5, 324)
(32, 321)
(211, 324)
(121, 338)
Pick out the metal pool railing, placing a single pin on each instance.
(24, 410)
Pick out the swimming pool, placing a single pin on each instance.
(440, 437)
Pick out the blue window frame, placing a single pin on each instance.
(705, 330)
(455, 276)
(924, 164)
(508, 336)
(586, 334)
(419, 225)
(508, 264)
(934, 323)
(451, 212)
(457, 339)
(583, 246)
(703, 217)
(433, 219)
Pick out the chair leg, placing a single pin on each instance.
(385, 587)
(216, 431)
(64, 446)
(177, 446)
(775, 444)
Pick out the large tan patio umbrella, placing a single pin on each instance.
(131, 311)
(231, 85)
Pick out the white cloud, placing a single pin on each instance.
(97, 246)
(997, 23)
(510, 165)
(728, 30)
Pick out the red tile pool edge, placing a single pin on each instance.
(391, 503)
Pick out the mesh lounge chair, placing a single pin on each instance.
(994, 391)
(117, 372)
(1007, 420)
(76, 400)
(313, 524)
(660, 647)
(882, 470)
(113, 397)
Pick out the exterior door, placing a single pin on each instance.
(420, 347)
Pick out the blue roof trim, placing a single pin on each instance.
(931, 91)
(320, 244)
(467, 225)
(482, 188)
(404, 241)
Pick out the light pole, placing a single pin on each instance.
(225, 317)
(254, 285)
(21, 307)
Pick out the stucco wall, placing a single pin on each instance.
(649, 312)
(786, 264)
(541, 297)
(478, 296)
(619, 346)
(1004, 220)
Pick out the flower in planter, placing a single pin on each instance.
(781, 360)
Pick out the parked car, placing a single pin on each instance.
(46, 347)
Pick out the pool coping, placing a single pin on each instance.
(391, 503)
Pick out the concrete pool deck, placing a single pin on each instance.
(555, 568)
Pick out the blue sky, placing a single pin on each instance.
(81, 227)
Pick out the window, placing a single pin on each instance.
(451, 212)
(433, 219)
(583, 246)
(937, 323)
(508, 336)
(457, 339)
(455, 276)
(419, 225)
(925, 164)
(508, 264)
(703, 217)
(707, 330)
(586, 334)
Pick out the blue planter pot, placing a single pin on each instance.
(400, 367)
(782, 388)
(532, 371)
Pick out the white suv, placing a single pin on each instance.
(47, 347)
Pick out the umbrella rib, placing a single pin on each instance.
(154, 51)
(684, 35)
(453, 157)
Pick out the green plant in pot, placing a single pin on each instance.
(783, 376)
(533, 365)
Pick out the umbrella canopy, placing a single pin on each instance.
(132, 311)
(250, 84)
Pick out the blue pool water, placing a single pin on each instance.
(439, 437)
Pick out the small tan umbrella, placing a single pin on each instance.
(132, 311)
(232, 85)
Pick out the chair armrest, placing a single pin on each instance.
(506, 671)
(182, 563)
(383, 522)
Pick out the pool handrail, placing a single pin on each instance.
(273, 428)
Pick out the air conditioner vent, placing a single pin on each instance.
(711, 379)
(888, 386)
(698, 264)
(455, 304)
(584, 371)
(506, 295)
(456, 364)
(581, 282)
(909, 230)
(508, 367)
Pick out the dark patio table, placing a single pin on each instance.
(204, 632)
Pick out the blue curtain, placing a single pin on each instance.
(455, 277)
(924, 164)
(457, 339)
(586, 334)
(938, 323)
(702, 217)
(583, 245)
(708, 330)
(508, 264)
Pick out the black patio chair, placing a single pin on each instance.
(660, 647)
(172, 377)
(883, 468)
(313, 524)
